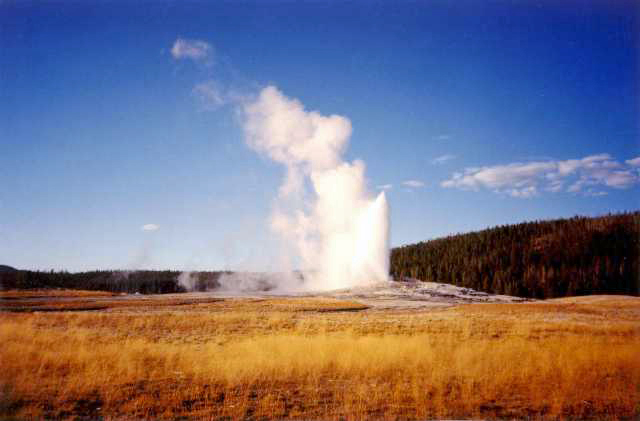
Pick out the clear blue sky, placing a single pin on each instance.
(488, 112)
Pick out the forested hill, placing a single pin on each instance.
(541, 259)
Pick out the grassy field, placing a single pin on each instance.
(43, 293)
(320, 359)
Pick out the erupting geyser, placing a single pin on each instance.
(337, 232)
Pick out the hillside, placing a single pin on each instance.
(541, 259)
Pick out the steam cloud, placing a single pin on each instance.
(187, 281)
(336, 231)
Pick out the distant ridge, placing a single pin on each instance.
(5, 268)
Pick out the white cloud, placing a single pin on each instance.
(150, 227)
(441, 137)
(442, 159)
(385, 186)
(413, 183)
(193, 49)
(595, 193)
(209, 94)
(524, 193)
(525, 179)
(635, 162)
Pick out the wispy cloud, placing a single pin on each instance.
(209, 94)
(442, 159)
(413, 183)
(635, 162)
(528, 179)
(594, 193)
(150, 227)
(441, 137)
(385, 186)
(193, 49)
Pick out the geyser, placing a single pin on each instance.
(334, 229)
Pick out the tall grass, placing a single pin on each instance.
(287, 365)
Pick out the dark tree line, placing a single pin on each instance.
(143, 281)
(541, 259)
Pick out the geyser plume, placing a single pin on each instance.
(338, 233)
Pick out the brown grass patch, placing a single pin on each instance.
(44, 293)
(82, 303)
(289, 358)
(95, 304)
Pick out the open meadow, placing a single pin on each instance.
(311, 358)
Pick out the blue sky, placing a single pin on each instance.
(470, 114)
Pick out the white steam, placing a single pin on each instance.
(337, 232)
(277, 282)
(187, 281)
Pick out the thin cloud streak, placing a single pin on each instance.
(413, 183)
(210, 95)
(150, 227)
(442, 159)
(524, 180)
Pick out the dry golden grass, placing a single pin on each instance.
(296, 358)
